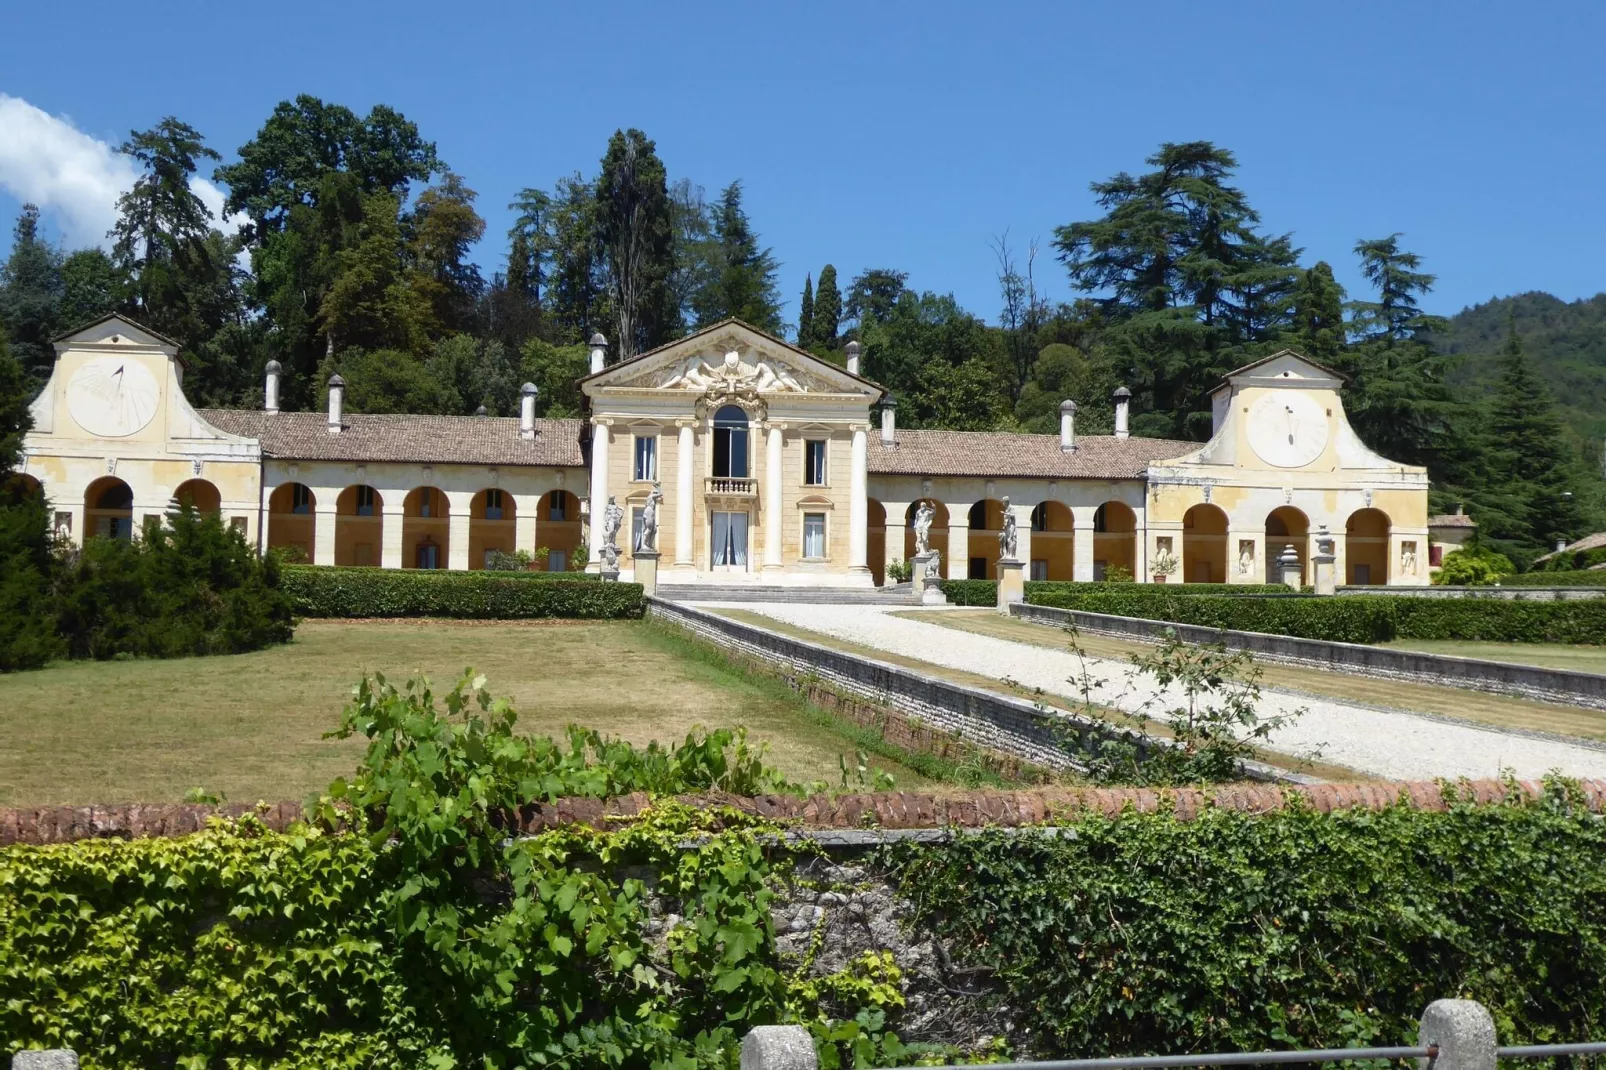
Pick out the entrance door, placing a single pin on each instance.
(728, 544)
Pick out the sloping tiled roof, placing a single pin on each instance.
(1002, 453)
(1588, 542)
(1451, 520)
(304, 436)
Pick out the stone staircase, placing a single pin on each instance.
(897, 595)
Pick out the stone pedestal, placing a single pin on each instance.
(610, 575)
(1288, 567)
(919, 569)
(1011, 584)
(926, 583)
(1322, 563)
(647, 571)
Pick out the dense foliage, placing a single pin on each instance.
(971, 592)
(1040, 591)
(1561, 578)
(1359, 618)
(1473, 565)
(388, 592)
(1233, 932)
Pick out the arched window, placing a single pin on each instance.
(730, 442)
(1040, 516)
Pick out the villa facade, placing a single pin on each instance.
(774, 466)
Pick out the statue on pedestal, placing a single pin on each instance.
(612, 518)
(924, 515)
(648, 540)
(1008, 537)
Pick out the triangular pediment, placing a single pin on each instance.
(1285, 364)
(730, 358)
(113, 329)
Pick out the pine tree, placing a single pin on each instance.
(827, 310)
(805, 314)
(744, 285)
(1530, 451)
(1319, 313)
(31, 291)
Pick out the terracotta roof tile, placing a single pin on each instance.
(304, 436)
(1451, 520)
(1003, 453)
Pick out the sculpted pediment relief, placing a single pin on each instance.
(730, 375)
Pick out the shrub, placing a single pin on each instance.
(900, 571)
(1360, 618)
(1595, 577)
(189, 586)
(1049, 592)
(28, 573)
(971, 592)
(387, 592)
(1473, 566)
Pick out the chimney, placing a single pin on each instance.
(852, 351)
(270, 388)
(599, 352)
(527, 396)
(1561, 544)
(889, 416)
(1068, 425)
(1123, 399)
(337, 398)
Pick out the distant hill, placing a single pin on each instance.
(1565, 341)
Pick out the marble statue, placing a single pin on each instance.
(1008, 536)
(1408, 558)
(924, 515)
(776, 376)
(691, 372)
(612, 518)
(648, 539)
(1246, 557)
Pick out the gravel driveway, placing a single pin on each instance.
(1394, 745)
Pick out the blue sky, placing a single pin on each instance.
(899, 135)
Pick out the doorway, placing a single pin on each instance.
(728, 545)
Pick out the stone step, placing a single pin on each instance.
(898, 595)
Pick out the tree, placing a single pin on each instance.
(444, 229)
(555, 370)
(1394, 315)
(637, 236)
(743, 285)
(390, 380)
(31, 293)
(827, 310)
(91, 287)
(805, 314)
(577, 288)
(530, 242)
(28, 636)
(1531, 454)
(1023, 313)
(1318, 327)
(369, 305)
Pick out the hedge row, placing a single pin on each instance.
(380, 592)
(503, 574)
(1040, 591)
(971, 592)
(1362, 618)
(1570, 578)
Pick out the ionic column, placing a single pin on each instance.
(392, 516)
(460, 510)
(774, 524)
(599, 491)
(1082, 546)
(859, 504)
(958, 541)
(323, 526)
(685, 496)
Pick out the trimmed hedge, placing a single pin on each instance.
(1039, 592)
(1568, 578)
(971, 592)
(1362, 618)
(384, 592)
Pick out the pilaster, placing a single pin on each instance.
(1082, 544)
(393, 515)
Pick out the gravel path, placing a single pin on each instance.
(1386, 744)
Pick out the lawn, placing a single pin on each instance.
(1545, 655)
(249, 726)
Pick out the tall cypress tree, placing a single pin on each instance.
(1530, 450)
(827, 309)
(636, 231)
(805, 314)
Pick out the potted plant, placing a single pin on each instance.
(1164, 564)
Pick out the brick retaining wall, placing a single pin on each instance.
(885, 810)
(1499, 677)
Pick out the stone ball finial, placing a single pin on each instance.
(274, 367)
(529, 388)
(1068, 406)
(335, 380)
(598, 340)
(1121, 392)
(852, 349)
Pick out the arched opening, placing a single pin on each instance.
(939, 531)
(1115, 541)
(292, 519)
(359, 526)
(109, 509)
(19, 486)
(199, 493)
(875, 546)
(1285, 527)
(491, 517)
(1053, 542)
(1366, 548)
(426, 529)
(1204, 545)
(731, 443)
(557, 529)
(986, 521)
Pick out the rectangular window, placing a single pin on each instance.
(493, 505)
(1039, 569)
(635, 528)
(300, 498)
(363, 553)
(558, 509)
(365, 501)
(978, 568)
(814, 463)
(646, 469)
(426, 504)
(557, 561)
(814, 535)
(1435, 553)
(1099, 570)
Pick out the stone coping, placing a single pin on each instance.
(867, 810)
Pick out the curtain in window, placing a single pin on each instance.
(730, 539)
(814, 535)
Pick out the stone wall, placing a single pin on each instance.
(1523, 681)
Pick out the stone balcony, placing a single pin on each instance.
(730, 489)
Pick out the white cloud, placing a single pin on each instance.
(74, 178)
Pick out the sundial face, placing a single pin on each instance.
(1288, 428)
(112, 397)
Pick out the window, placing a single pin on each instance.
(1100, 567)
(814, 534)
(557, 561)
(1435, 551)
(1039, 568)
(1039, 520)
(426, 503)
(1100, 520)
(363, 553)
(814, 463)
(730, 442)
(428, 554)
(646, 469)
(978, 517)
(558, 509)
(635, 528)
(365, 501)
(493, 505)
(300, 498)
(978, 568)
